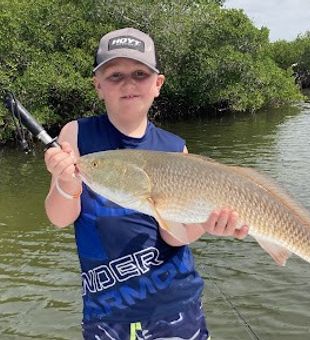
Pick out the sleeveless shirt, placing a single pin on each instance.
(128, 272)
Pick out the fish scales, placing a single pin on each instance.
(185, 188)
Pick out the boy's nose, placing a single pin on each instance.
(129, 80)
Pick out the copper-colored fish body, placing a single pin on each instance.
(179, 188)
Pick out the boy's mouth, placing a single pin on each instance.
(130, 96)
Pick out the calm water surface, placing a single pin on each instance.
(39, 271)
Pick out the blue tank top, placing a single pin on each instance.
(129, 273)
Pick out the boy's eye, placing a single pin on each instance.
(139, 75)
(136, 75)
(116, 76)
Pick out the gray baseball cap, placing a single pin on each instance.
(126, 43)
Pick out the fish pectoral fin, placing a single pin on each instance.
(278, 253)
(175, 229)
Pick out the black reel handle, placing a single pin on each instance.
(29, 122)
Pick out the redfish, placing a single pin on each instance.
(179, 188)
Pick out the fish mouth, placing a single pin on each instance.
(78, 173)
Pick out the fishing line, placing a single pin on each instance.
(22, 118)
(240, 317)
(19, 130)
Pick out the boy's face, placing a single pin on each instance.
(127, 87)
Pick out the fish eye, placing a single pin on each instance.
(94, 164)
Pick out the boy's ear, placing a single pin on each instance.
(97, 86)
(96, 82)
(160, 80)
(159, 83)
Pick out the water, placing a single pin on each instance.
(39, 270)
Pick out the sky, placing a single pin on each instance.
(284, 18)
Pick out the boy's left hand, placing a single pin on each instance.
(224, 223)
(220, 223)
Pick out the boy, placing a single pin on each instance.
(138, 281)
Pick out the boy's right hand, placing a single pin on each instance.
(60, 162)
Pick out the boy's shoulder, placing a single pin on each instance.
(93, 118)
(169, 138)
(166, 132)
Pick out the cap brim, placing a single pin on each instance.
(127, 57)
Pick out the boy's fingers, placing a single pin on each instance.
(68, 172)
(56, 158)
(62, 165)
(242, 232)
(66, 147)
(222, 222)
(58, 161)
(231, 223)
(210, 224)
(49, 153)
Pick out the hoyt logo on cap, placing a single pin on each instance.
(126, 42)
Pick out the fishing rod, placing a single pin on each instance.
(22, 117)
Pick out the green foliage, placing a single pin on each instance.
(286, 53)
(46, 60)
(212, 57)
(294, 55)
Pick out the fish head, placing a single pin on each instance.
(101, 171)
(113, 175)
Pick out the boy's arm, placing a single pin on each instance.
(219, 223)
(63, 211)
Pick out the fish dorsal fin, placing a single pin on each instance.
(201, 158)
(278, 253)
(270, 186)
